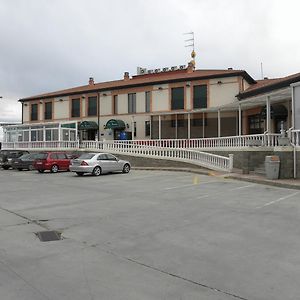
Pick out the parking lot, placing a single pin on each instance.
(147, 235)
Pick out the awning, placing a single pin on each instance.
(86, 125)
(115, 124)
(277, 112)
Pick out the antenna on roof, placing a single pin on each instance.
(261, 70)
(191, 44)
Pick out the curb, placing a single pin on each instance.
(220, 174)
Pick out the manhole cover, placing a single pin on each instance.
(47, 236)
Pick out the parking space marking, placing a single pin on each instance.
(187, 185)
(278, 200)
(243, 187)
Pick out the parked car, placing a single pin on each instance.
(6, 157)
(99, 163)
(52, 161)
(25, 161)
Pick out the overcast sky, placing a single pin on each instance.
(48, 45)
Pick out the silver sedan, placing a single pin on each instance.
(98, 163)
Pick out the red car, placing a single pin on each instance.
(52, 161)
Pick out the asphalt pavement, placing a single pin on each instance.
(147, 235)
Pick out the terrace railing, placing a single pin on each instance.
(295, 137)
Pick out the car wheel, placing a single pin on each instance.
(20, 169)
(97, 171)
(5, 167)
(41, 171)
(30, 168)
(54, 169)
(79, 173)
(126, 168)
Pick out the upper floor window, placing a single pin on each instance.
(132, 103)
(48, 111)
(115, 105)
(200, 96)
(75, 108)
(147, 128)
(177, 98)
(147, 101)
(34, 112)
(92, 106)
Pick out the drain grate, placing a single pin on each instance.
(47, 236)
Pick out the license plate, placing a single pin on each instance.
(38, 163)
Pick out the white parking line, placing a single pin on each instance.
(243, 187)
(278, 200)
(187, 185)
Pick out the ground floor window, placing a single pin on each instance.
(256, 124)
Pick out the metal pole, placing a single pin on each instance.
(159, 127)
(268, 114)
(98, 115)
(150, 127)
(203, 125)
(240, 120)
(189, 126)
(219, 123)
(176, 127)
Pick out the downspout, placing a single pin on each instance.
(22, 111)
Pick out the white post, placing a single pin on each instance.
(240, 120)
(59, 132)
(219, 123)
(150, 127)
(268, 114)
(159, 127)
(176, 127)
(203, 125)
(189, 126)
(132, 128)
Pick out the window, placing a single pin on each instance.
(180, 123)
(48, 111)
(92, 106)
(147, 128)
(115, 108)
(134, 128)
(256, 124)
(61, 156)
(131, 103)
(53, 156)
(102, 157)
(34, 112)
(177, 100)
(199, 96)
(111, 157)
(75, 108)
(147, 101)
(199, 122)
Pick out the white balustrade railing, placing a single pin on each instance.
(295, 137)
(266, 139)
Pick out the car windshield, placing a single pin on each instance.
(41, 156)
(25, 156)
(86, 156)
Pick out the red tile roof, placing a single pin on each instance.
(148, 79)
(266, 85)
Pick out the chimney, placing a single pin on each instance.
(91, 81)
(230, 69)
(126, 76)
(190, 68)
(265, 78)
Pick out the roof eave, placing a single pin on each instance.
(118, 87)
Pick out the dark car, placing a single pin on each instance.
(52, 161)
(25, 161)
(6, 157)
